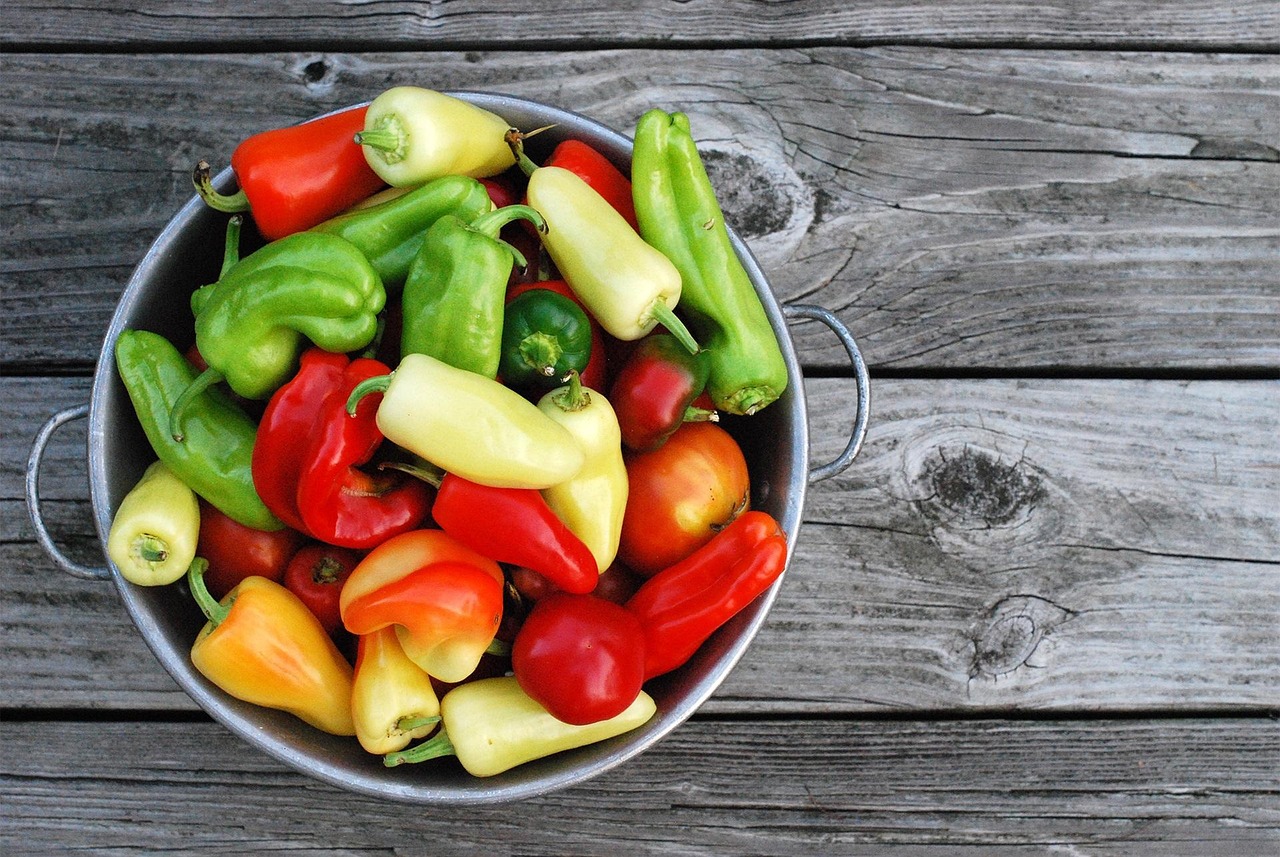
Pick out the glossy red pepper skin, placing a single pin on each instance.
(595, 373)
(309, 452)
(316, 575)
(597, 171)
(654, 391)
(516, 526)
(299, 176)
(235, 551)
(681, 606)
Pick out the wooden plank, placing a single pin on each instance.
(999, 545)
(827, 787)
(995, 210)
(484, 23)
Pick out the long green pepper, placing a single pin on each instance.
(455, 293)
(215, 459)
(391, 233)
(679, 214)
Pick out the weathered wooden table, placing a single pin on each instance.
(1040, 613)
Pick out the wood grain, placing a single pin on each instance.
(753, 787)
(1009, 210)
(480, 23)
(999, 545)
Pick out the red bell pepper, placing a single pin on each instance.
(308, 454)
(316, 575)
(446, 598)
(681, 606)
(515, 525)
(294, 178)
(654, 391)
(597, 171)
(595, 373)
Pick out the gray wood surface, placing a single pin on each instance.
(1040, 614)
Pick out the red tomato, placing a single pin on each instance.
(316, 575)
(681, 495)
(580, 656)
(235, 551)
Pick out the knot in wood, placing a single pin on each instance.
(978, 486)
(753, 201)
(1014, 629)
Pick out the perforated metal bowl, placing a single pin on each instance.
(187, 254)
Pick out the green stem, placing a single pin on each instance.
(491, 224)
(515, 140)
(574, 397)
(202, 178)
(149, 548)
(214, 611)
(203, 381)
(498, 648)
(231, 251)
(382, 139)
(700, 415)
(666, 317)
(408, 724)
(540, 351)
(438, 745)
(376, 384)
(432, 475)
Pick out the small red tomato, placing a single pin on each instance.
(235, 551)
(580, 656)
(680, 495)
(316, 576)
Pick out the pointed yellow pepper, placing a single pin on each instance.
(392, 701)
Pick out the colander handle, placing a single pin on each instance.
(860, 377)
(63, 562)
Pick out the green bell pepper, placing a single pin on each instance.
(454, 294)
(390, 233)
(216, 458)
(544, 336)
(253, 321)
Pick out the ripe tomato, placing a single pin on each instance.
(316, 575)
(580, 656)
(681, 495)
(235, 551)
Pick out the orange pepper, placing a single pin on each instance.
(445, 598)
(262, 645)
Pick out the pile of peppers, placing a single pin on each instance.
(392, 459)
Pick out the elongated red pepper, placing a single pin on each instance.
(681, 606)
(294, 178)
(515, 525)
(599, 172)
(309, 453)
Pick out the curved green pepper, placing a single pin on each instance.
(679, 214)
(216, 458)
(390, 233)
(453, 297)
(544, 336)
(252, 322)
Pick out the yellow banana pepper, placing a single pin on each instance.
(155, 530)
(392, 701)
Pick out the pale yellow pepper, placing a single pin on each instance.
(393, 700)
(154, 532)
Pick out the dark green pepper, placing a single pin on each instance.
(544, 336)
(215, 460)
(679, 214)
(253, 322)
(390, 233)
(453, 297)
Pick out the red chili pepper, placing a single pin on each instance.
(308, 454)
(599, 172)
(654, 391)
(235, 551)
(294, 178)
(595, 374)
(316, 575)
(681, 606)
(515, 525)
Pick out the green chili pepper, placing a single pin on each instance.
(453, 297)
(390, 233)
(545, 335)
(679, 214)
(216, 458)
(252, 323)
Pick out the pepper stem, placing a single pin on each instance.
(212, 609)
(431, 475)
(383, 139)
(202, 178)
(574, 396)
(541, 351)
(376, 384)
(515, 139)
(231, 251)
(203, 381)
(438, 745)
(149, 548)
(408, 723)
(666, 317)
(491, 224)
(700, 415)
